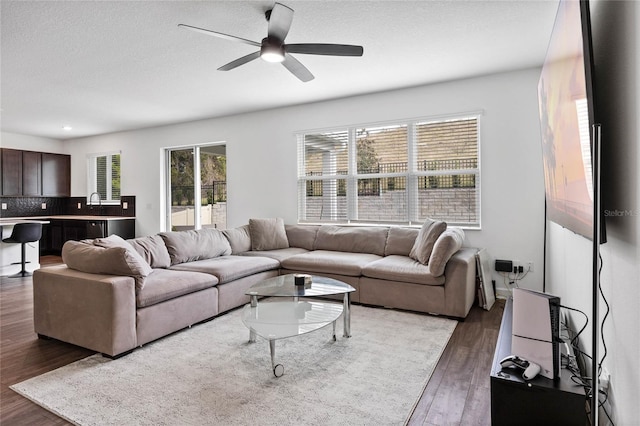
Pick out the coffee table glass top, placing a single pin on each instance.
(284, 285)
(281, 319)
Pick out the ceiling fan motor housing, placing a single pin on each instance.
(272, 50)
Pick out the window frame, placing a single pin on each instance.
(411, 175)
(92, 176)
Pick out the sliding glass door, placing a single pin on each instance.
(196, 187)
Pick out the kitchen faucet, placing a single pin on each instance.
(91, 200)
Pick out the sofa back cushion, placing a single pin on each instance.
(239, 239)
(302, 236)
(361, 239)
(153, 250)
(268, 234)
(114, 260)
(449, 242)
(187, 246)
(400, 241)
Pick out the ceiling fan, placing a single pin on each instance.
(274, 49)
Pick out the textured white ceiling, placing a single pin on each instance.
(107, 66)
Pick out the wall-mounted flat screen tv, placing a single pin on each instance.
(565, 95)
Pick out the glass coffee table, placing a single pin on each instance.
(279, 319)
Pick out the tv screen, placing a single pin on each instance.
(565, 96)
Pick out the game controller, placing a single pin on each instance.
(531, 369)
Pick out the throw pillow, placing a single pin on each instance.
(100, 260)
(423, 246)
(268, 234)
(136, 261)
(446, 245)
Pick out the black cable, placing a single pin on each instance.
(604, 299)
(601, 403)
(581, 330)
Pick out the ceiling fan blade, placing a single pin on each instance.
(325, 49)
(220, 35)
(280, 21)
(240, 61)
(296, 68)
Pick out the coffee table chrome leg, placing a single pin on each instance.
(334, 331)
(252, 334)
(347, 315)
(278, 369)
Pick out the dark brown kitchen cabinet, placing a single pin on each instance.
(56, 175)
(52, 238)
(11, 172)
(59, 231)
(31, 173)
(34, 174)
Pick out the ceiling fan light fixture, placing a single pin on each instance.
(272, 52)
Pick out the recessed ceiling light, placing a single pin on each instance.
(67, 128)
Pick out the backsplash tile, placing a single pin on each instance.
(32, 206)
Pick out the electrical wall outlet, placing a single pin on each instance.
(4, 206)
(125, 205)
(44, 206)
(516, 266)
(529, 266)
(79, 206)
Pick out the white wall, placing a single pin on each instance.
(31, 143)
(617, 60)
(262, 155)
(617, 66)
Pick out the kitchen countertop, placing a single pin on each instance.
(14, 220)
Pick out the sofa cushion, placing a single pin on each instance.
(187, 246)
(230, 268)
(268, 234)
(446, 245)
(360, 239)
(400, 241)
(330, 262)
(239, 239)
(165, 284)
(429, 233)
(136, 260)
(152, 250)
(279, 254)
(100, 260)
(401, 268)
(303, 236)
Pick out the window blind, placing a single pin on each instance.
(104, 176)
(399, 173)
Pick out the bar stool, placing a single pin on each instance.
(24, 233)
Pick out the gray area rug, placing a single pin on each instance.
(210, 374)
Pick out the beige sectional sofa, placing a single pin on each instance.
(114, 295)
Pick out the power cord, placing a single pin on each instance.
(513, 278)
(572, 362)
(601, 403)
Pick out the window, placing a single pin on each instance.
(399, 173)
(196, 178)
(103, 171)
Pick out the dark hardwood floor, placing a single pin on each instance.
(457, 394)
